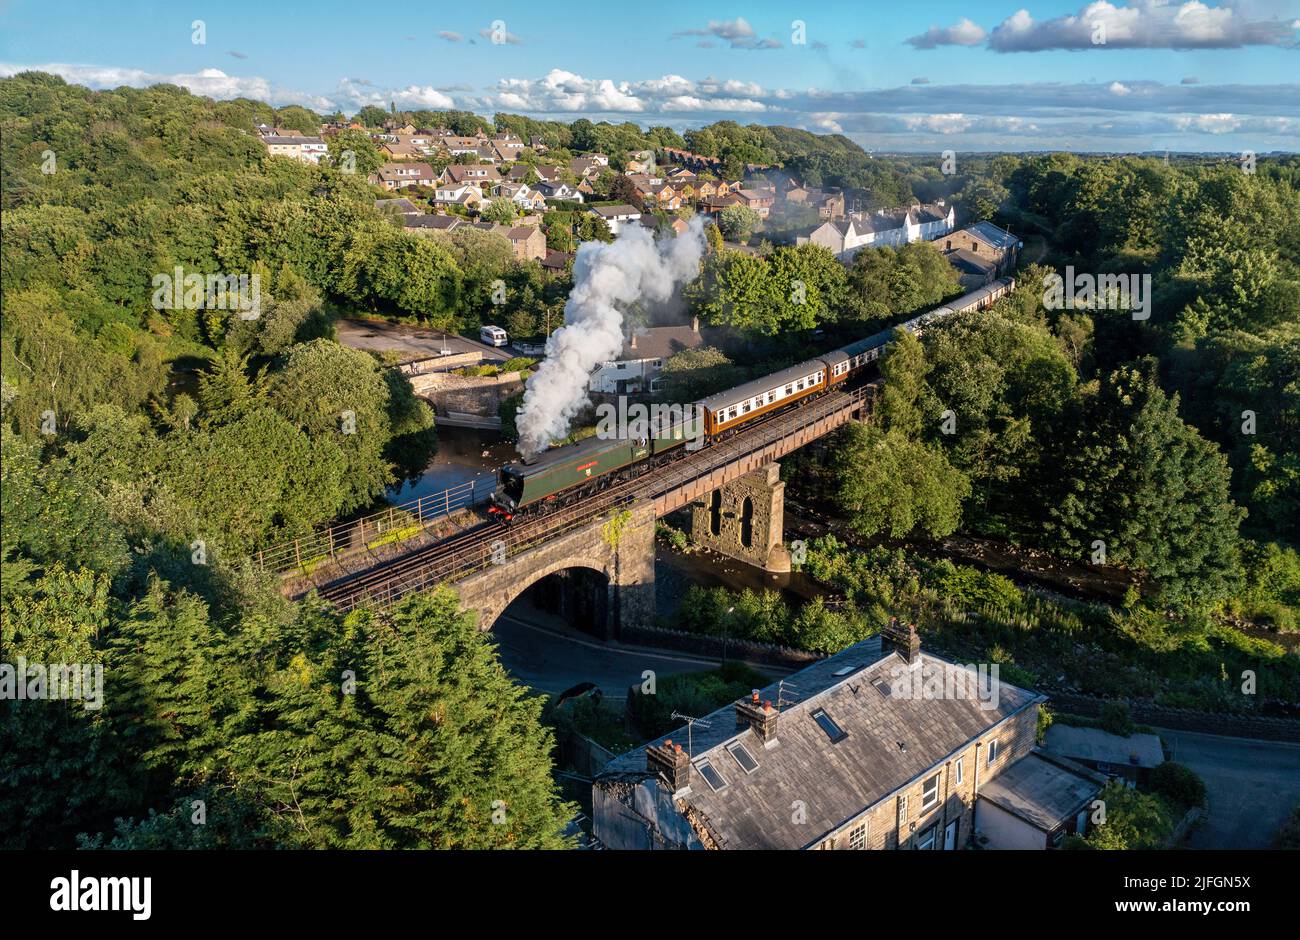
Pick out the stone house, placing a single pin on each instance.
(644, 351)
(880, 746)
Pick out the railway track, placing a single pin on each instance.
(475, 548)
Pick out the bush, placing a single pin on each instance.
(1178, 784)
(1117, 719)
(517, 364)
(1133, 820)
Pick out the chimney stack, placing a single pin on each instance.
(669, 761)
(631, 341)
(902, 638)
(762, 718)
(695, 324)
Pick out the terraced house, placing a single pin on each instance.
(848, 754)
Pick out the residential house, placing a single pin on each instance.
(547, 173)
(880, 746)
(557, 262)
(693, 160)
(559, 191)
(401, 175)
(537, 145)
(401, 150)
(459, 145)
(428, 224)
(528, 241)
(1129, 758)
(712, 206)
(399, 206)
(296, 147)
(644, 351)
(885, 227)
(760, 200)
(987, 241)
(616, 217)
(588, 166)
(522, 195)
(465, 195)
(479, 174)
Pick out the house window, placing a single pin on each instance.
(858, 837)
(957, 770)
(710, 774)
(930, 793)
(925, 840)
(827, 724)
(743, 757)
(993, 752)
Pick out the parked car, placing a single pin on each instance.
(493, 336)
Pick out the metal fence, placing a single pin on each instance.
(394, 524)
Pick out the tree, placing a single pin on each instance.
(622, 189)
(737, 223)
(1154, 493)
(693, 373)
(888, 483)
(502, 211)
(353, 151)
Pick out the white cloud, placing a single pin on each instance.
(962, 33)
(566, 92)
(1144, 24)
(1117, 88)
(737, 33)
(450, 36)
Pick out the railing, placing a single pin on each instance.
(394, 524)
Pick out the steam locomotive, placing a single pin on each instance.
(564, 474)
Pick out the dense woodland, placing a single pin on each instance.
(147, 451)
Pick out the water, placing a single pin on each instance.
(464, 455)
(675, 572)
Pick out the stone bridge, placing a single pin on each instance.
(601, 552)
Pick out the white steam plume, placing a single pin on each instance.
(606, 278)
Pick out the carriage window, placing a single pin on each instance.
(789, 389)
(747, 407)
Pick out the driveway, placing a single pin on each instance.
(412, 342)
(1252, 786)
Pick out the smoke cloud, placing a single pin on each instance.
(606, 278)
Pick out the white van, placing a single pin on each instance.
(493, 336)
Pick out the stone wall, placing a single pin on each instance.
(474, 395)
(628, 564)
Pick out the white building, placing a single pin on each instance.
(885, 227)
(616, 217)
(644, 353)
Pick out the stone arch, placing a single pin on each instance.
(489, 612)
(715, 513)
(747, 522)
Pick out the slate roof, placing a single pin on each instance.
(660, 342)
(403, 206)
(836, 780)
(990, 234)
(443, 223)
(967, 262)
(1042, 791)
(1094, 744)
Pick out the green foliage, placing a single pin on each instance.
(887, 483)
(1134, 820)
(737, 223)
(1178, 784)
(691, 693)
(1117, 719)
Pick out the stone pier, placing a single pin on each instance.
(745, 520)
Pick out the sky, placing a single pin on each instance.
(916, 75)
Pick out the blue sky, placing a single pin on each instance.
(944, 74)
